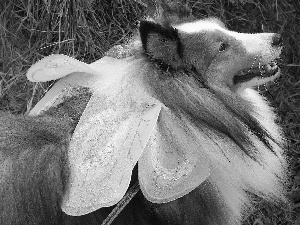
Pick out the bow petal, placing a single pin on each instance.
(105, 147)
(73, 73)
(57, 66)
(172, 163)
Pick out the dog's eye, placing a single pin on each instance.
(223, 46)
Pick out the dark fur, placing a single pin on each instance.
(33, 159)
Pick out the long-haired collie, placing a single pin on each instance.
(169, 124)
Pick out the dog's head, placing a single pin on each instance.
(220, 57)
(206, 73)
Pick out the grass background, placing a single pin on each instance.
(85, 29)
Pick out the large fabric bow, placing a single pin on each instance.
(122, 124)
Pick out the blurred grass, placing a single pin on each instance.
(85, 29)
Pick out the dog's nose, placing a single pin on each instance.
(277, 40)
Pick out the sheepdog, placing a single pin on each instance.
(170, 124)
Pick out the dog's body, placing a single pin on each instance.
(202, 73)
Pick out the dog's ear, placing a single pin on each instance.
(162, 44)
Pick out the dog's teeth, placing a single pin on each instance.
(268, 67)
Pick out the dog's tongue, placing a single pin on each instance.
(267, 70)
(246, 75)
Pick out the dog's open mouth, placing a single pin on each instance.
(264, 71)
